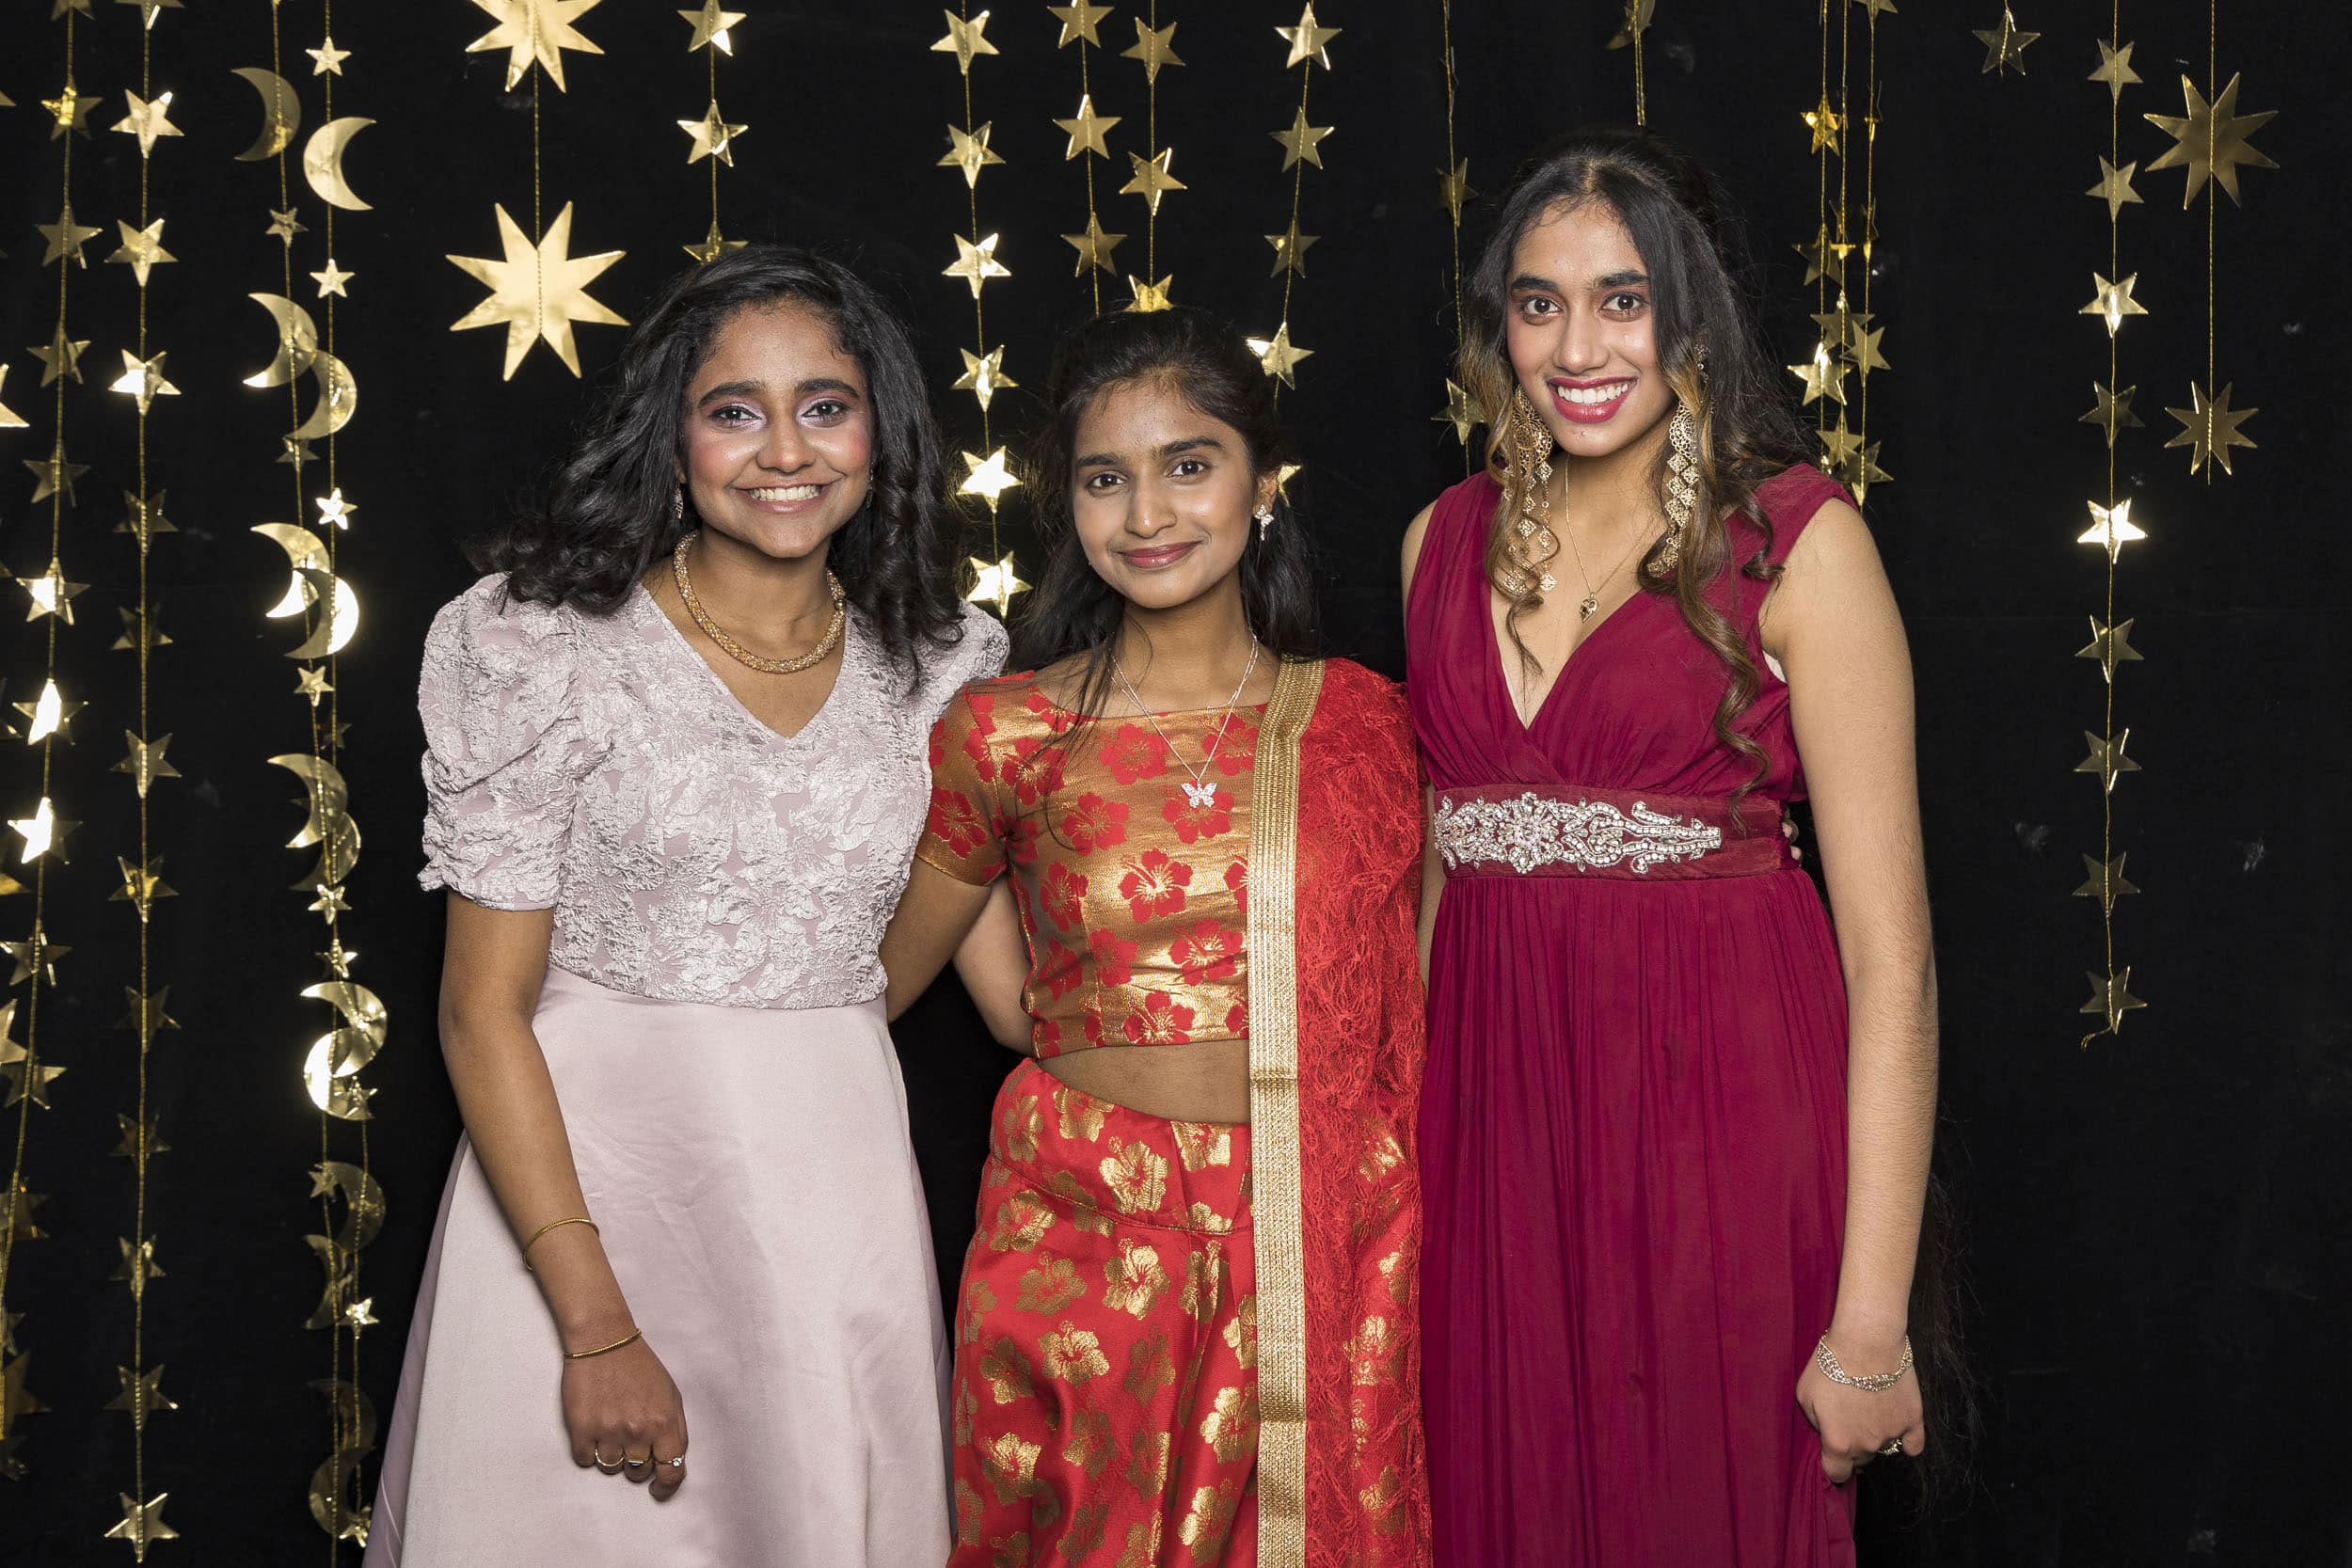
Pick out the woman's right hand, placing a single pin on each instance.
(622, 1406)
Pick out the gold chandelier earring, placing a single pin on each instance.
(1528, 456)
(1681, 490)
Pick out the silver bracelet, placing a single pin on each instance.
(1875, 1383)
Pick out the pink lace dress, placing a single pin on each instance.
(712, 1018)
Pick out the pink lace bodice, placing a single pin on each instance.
(596, 764)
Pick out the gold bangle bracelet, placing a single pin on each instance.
(552, 1225)
(634, 1335)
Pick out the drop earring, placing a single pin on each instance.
(677, 507)
(1265, 520)
(1681, 497)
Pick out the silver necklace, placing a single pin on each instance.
(1196, 794)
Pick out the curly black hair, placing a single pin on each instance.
(606, 518)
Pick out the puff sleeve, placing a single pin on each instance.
(980, 656)
(506, 749)
(964, 834)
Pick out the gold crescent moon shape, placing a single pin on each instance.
(333, 1090)
(335, 630)
(283, 107)
(322, 162)
(305, 551)
(339, 398)
(362, 1008)
(339, 851)
(297, 342)
(363, 1201)
(330, 798)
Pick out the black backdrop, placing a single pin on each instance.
(2154, 1224)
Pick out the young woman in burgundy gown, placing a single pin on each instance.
(1675, 1129)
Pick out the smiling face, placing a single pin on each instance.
(779, 433)
(1582, 331)
(1162, 495)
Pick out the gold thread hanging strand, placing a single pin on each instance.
(1453, 413)
(1641, 88)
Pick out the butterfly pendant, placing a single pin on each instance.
(1199, 795)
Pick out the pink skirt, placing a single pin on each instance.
(750, 1173)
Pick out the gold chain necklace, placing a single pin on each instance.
(735, 650)
(1591, 601)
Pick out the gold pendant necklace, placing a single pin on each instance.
(735, 650)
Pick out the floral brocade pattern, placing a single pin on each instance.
(596, 765)
(1134, 900)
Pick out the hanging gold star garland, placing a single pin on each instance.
(39, 833)
(1461, 410)
(538, 288)
(140, 1393)
(712, 138)
(1154, 176)
(1846, 341)
(994, 580)
(1638, 16)
(1306, 45)
(1081, 23)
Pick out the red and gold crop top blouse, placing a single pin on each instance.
(1134, 899)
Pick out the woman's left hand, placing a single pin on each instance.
(1857, 1426)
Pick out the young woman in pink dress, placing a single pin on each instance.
(1675, 1129)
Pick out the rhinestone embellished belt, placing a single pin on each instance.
(1512, 830)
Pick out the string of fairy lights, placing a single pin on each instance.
(1308, 44)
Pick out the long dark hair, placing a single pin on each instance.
(1203, 357)
(606, 518)
(1693, 248)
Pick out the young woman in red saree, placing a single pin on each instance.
(1186, 1328)
(1675, 1129)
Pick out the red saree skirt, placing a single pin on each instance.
(1106, 1389)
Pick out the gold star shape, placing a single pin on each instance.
(1824, 378)
(135, 1146)
(71, 111)
(283, 226)
(337, 957)
(1307, 40)
(969, 152)
(1146, 298)
(1824, 123)
(713, 27)
(1078, 21)
(141, 886)
(43, 832)
(1873, 7)
(145, 762)
(2209, 428)
(327, 59)
(2113, 301)
(537, 292)
(1301, 140)
(66, 239)
(148, 120)
(142, 1523)
(995, 582)
(35, 954)
(1864, 471)
(53, 474)
(984, 375)
(2115, 69)
(49, 714)
(142, 1394)
(297, 452)
(1289, 250)
(1278, 356)
(535, 31)
(1839, 445)
(2210, 140)
(1454, 188)
(2112, 529)
(2105, 882)
(311, 682)
(1094, 246)
(965, 40)
(149, 7)
(9, 418)
(2106, 758)
(1283, 474)
(330, 903)
(2112, 411)
(1460, 412)
(51, 594)
(712, 246)
(2110, 645)
(1862, 351)
(975, 263)
(360, 1314)
(141, 631)
(1152, 177)
(331, 281)
(2112, 996)
(145, 1015)
(711, 136)
(1154, 48)
(143, 248)
(988, 477)
(29, 1080)
(2114, 187)
(1824, 257)
(334, 509)
(2004, 46)
(63, 357)
(1839, 325)
(16, 1220)
(143, 379)
(1087, 129)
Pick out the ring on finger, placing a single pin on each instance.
(596, 1453)
(676, 1464)
(1895, 1450)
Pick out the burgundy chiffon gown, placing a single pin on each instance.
(1632, 1126)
